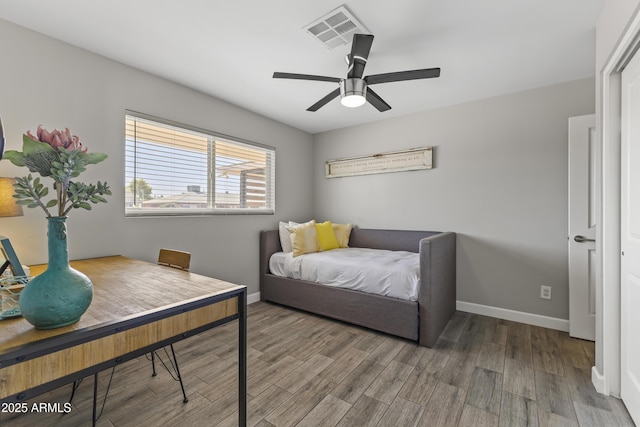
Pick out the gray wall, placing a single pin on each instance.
(44, 81)
(499, 178)
(499, 181)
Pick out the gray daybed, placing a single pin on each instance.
(421, 320)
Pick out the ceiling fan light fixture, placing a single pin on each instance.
(353, 92)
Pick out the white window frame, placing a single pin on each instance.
(210, 209)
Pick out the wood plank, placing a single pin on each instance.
(519, 348)
(445, 407)
(459, 369)
(474, 417)
(492, 357)
(258, 383)
(546, 351)
(496, 332)
(358, 381)
(418, 387)
(305, 372)
(387, 385)
(553, 395)
(517, 411)
(402, 413)
(295, 409)
(547, 419)
(344, 365)
(519, 379)
(485, 390)
(410, 353)
(366, 412)
(328, 412)
(590, 416)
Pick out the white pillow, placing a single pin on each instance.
(285, 235)
(285, 240)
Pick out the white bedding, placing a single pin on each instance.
(390, 273)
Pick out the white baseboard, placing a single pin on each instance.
(598, 381)
(516, 316)
(251, 298)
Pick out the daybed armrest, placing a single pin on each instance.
(437, 296)
(269, 244)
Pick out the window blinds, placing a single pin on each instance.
(172, 169)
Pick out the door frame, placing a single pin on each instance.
(605, 376)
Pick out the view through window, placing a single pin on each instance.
(172, 169)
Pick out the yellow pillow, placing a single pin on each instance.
(304, 238)
(326, 236)
(342, 232)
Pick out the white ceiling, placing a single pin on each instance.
(230, 49)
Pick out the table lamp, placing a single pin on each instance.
(9, 207)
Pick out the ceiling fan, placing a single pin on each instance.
(354, 90)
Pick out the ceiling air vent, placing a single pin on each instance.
(335, 28)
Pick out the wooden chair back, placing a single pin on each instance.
(174, 258)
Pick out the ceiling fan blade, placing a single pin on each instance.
(360, 49)
(278, 75)
(324, 101)
(375, 100)
(399, 76)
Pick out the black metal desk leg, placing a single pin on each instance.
(95, 399)
(242, 358)
(175, 361)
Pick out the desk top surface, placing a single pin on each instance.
(123, 287)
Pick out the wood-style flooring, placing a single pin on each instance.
(305, 370)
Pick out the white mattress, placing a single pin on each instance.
(390, 273)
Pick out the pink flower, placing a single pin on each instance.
(57, 139)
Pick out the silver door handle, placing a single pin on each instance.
(582, 239)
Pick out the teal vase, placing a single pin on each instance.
(60, 295)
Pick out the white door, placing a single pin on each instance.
(630, 239)
(582, 227)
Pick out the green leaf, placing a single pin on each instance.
(98, 199)
(52, 203)
(31, 147)
(93, 158)
(84, 205)
(15, 157)
(24, 201)
(40, 162)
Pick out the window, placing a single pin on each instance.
(173, 169)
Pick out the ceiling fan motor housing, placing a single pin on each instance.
(353, 90)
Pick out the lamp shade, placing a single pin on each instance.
(8, 205)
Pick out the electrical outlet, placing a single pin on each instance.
(545, 292)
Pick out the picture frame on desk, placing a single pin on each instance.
(10, 258)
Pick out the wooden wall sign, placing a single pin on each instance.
(393, 161)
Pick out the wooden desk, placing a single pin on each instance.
(137, 307)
